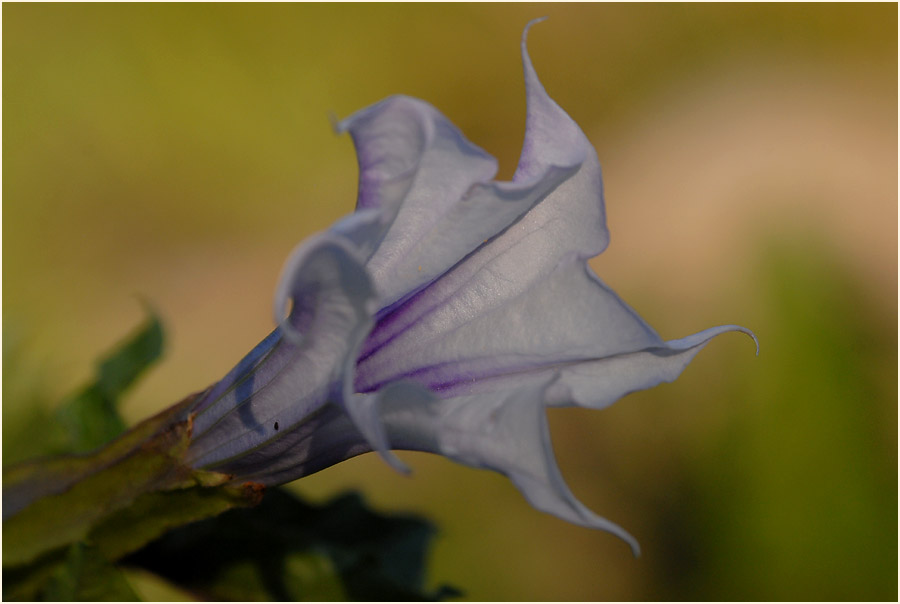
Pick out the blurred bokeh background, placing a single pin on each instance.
(177, 153)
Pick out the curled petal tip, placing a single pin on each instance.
(755, 340)
(634, 545)
(617, 531)
(749, 333)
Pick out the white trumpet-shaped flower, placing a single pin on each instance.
(444, 315)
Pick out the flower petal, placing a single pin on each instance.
(505, 432)
(435, 191)
(237, 377)
(477, 340)
(569, 221)
(525, 301)
(444, 315)
(295, 372)
(321, 439)
(492, 325)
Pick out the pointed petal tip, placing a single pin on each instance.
(526, 59)
(701, 338)
(744, 330)
(601, 523)
(592, 520)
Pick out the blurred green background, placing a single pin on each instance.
(177, 153)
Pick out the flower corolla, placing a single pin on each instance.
(444, 315)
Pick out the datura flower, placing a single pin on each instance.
(444, 315)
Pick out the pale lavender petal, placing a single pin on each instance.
(323, 438)
(390, 138)
(597, 383)
(240, 375)
(365, 411)
(506, 432)
(568, 222)
(412, 257)
(444, 315)
(568, 322)
(492, 325)
(364, 228)
(551, 136)
(601, 382)
(435, 192)
(526, 301)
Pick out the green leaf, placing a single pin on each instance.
(91, 417)
(32, 431)
(115, 500)
(90, 420)
(27, 482)
(285, 549)
(126, 363)
(86, 576)
(153, 514)
(65, 498)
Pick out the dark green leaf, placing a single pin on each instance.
(285, 549)
(63, 499)
(153, 514)
(126, 363)
(91, 417)
(26, 582)
(119, 497)
(86, 576)
(32, 431)
(90, 420)
(27, 482)
(116, 499)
